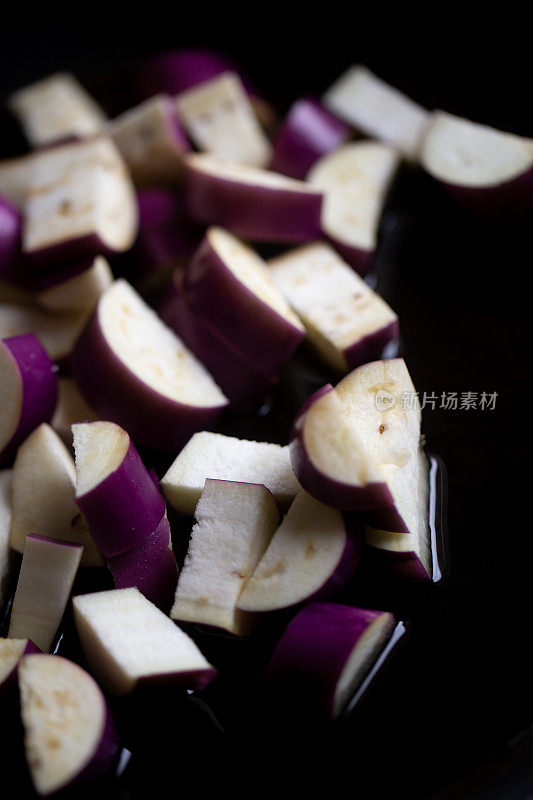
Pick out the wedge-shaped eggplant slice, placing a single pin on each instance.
(326, 652)
(78, 293)
(80, 203)
(234, 524)
(400, 536)
(128, 642)
(378, 110)
(114, 490)
(244, 385)
(355, 180)
(311, 555)
(5, 523)
(382, 404)
(28, 390)
(126, 351)
(70, 737)
(43, 496)
(177, 71)
(45, 581)
(212, 455)
(151, 568)
(219, 119)
(55, 109)
(230, 287)
(57, 332)
(346, 322)
(71, 408)
(330, 459)
(252, 203)
(151, 141)
(11, 653)
(308, 132)
(486, 170)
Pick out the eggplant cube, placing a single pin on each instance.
(80, 203)
(347, 323)
(56, 108)
(378, 110)
(128, 641)
(235, 522)
(220, 119)
(151, 141)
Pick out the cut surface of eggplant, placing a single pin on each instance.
(80, 202)
(344, 318)
(355, 180)
(151, 141)
(219, 118)
(69, 734)
(213, 455)
(234, 524)
(45, 581)
(127, 639)
(56, 108)
(378, 110)
(463, 153)
(43, 495)
(309, 555)
(152, 351)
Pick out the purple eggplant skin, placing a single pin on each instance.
(243, 384)
(308, 132)
(310, 656)
(166, 234)
(125, 509)
(344, 570)
(151, 568)
(337, 494)
(10, 239)
(39, 388)
(259, 213)
(236, 315)
(346, 567)
(43, 282)
(195, 680)
(348, 563)
(405, 566)
(10, 681)
(57, 256)
(371, 347)
(106, 755)
(359, 259)
(386, 519)
(158, 207)
(510, 201)
(176, 71)
(117, 394)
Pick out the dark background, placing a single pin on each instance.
(457, 694)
